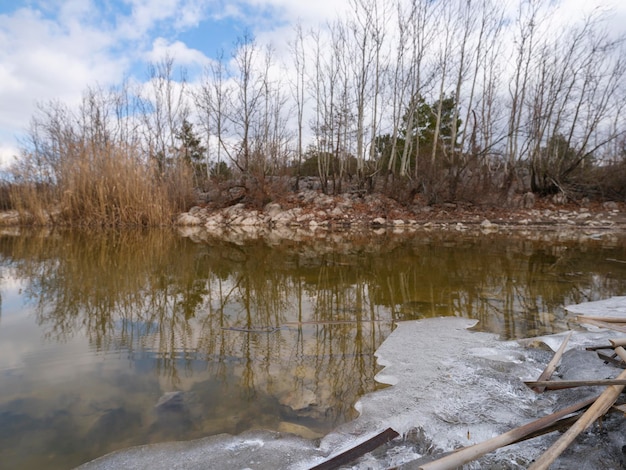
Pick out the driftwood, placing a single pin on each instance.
(612, 360)
(604, 402)
(551, 367)
(602, 319)
(358, 451)
(561, 384)
(467, 454)
(602, 324)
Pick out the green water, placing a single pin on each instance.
(96, 328)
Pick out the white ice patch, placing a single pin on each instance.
(451, 387)
(613, 307)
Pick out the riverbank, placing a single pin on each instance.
(312, 209)
(313, 215)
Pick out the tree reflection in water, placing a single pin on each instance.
(281, 336)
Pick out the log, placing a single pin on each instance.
(602, 324)
(467, 454)
(561, 384)
(551, 367)
(358, 451)
(604, 402)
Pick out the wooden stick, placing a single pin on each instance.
(602, 324)
(561, 384)
(358, 451)
(604, 319)
(611, 360)
(598, 409)
(551, 367)
(467, 454)
(618, 342)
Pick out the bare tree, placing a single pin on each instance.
(163, 108)
(298, 55)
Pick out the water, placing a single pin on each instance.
(126, 338)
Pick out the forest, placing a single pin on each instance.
(461, 100)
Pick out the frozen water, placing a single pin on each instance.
(451, 387)
(613, 307)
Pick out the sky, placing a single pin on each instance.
(52, 50)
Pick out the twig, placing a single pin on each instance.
(467, 454)
(551, 367)
(601, 324)
(604, 402)
(561, 384)
(358, 451)
(601, 318)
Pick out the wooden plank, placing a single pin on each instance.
(551, 367)
(354, 453)
(604, 402)
(561, 384)
(467, 454)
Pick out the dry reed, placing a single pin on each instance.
(105, 186)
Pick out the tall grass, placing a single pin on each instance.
(104, 186)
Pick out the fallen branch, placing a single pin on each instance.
(358, 451)
(561, 384)
(618, 342)
(601, 324)
(611, 360)
(551, 367)
(604, 402)
(467, 454)
(602, 319)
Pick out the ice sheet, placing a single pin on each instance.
(451, 387)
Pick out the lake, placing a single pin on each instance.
(116, 339)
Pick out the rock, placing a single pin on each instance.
(486, 224)
(379, 221)
(299, 400)
(170, 400)
(272, 209)
(337, 212)
(298, 430)
(215, 220)
(610, 206)
(287, 217)
(186, 219)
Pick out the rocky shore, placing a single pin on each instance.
(311, 213)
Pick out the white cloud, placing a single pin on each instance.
(178, 50)
(55, 49)
(42, 59)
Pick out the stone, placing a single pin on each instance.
(272, 209)
(186, 219)
(299, 400)
(170, 400)
(298, 430)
